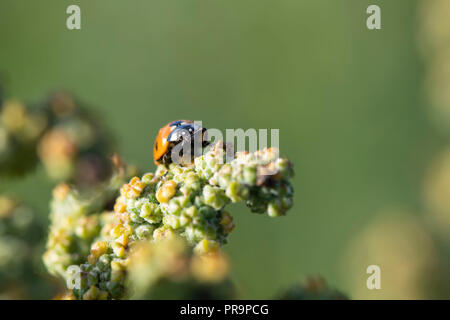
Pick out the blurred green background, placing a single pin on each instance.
(348, 103)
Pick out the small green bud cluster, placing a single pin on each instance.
(75, 223)
(59, 133)
(20, 232)
(78, 219)
(74, 147)
(168, 269)
(185, 201)
(261, 178)
(20, 130)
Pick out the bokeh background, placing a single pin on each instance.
(354, 107)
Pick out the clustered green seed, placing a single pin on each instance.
(20, 130)
(168, 269)
(75, 224)
(20, 232)
(75, 147)
(186, 201)
(77, 220)
(261, 179)
(70, 142)
(72, 146)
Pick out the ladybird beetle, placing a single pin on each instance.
(172, 134)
